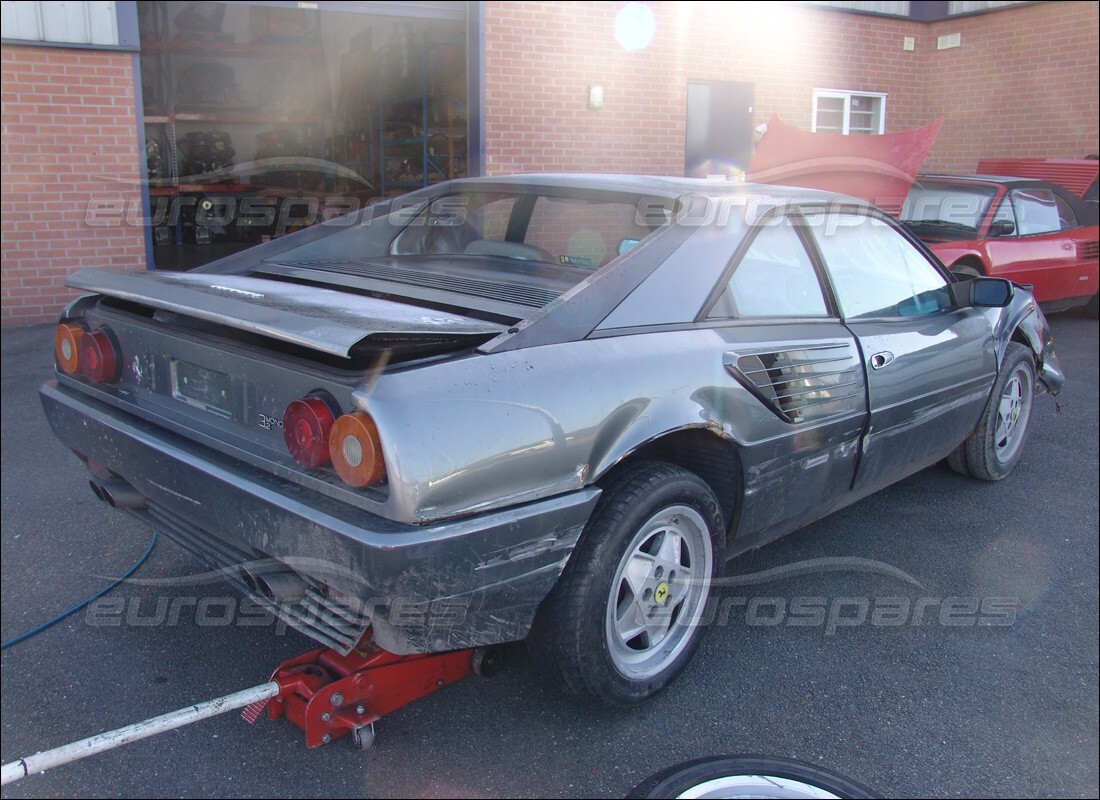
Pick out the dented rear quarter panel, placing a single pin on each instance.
(495, 430)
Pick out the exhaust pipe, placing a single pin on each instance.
(274, 583)
(249, 579)
(282, 586)
(120, 494)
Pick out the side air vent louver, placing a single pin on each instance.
(802, 384)
(1088, 251)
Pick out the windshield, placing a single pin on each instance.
(947, 205)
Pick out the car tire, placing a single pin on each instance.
(1092, 307)
(748, 776)
(998, 442)
(624, 618)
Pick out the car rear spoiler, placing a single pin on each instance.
(320, 319)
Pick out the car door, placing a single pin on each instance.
(1049, 249)
(929, 365)
(778, 337)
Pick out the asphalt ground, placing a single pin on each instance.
(990, 690)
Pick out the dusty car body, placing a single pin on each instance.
(1030, 231)
(576, 417)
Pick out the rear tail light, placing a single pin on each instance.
(66, 346)
(306, 426)
(99, 356)
(356, 451)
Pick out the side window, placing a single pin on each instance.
(1036, 211)
(875, 271)
(1066, 218)
(773, 278)
(1004, 213)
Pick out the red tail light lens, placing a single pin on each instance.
(99, 356)
(66, 346)
(356, 450)
(306, 426)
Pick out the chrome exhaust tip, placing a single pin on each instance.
(120, 494)
(281, 586)
(249, 579)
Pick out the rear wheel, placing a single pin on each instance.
(624, 619)
(998, 442)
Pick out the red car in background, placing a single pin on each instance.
(1029, 231)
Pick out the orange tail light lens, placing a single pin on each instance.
(306, 426)
(66, 346)
(356, 451)
(99, 356)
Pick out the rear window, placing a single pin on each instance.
(584, 234)
(576, 231)
(490, 249)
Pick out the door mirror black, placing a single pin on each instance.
(982, 293)
(1002, 227)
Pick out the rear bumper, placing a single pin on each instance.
(461, 583)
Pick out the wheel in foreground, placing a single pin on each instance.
(624, 618)
(997, 443)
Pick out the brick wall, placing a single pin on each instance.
(69, 140)
(1024, 81)
(541, 57)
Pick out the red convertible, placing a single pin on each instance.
(1029, 231)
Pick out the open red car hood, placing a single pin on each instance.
(879, 169)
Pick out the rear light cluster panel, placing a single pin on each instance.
(317, 434)
(91, 353)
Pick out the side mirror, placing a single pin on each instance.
(982, 293)
(1002, 227)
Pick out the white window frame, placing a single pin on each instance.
(847, 96)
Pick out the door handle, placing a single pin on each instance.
(880, 360)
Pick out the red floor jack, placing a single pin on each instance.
(324, 693)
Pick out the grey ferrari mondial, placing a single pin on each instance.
(544, 407)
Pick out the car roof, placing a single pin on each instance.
(1085, 214)
(662, 185)
(1004, 180)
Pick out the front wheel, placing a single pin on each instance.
(624, 618)
(998, 442)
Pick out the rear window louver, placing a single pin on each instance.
(530, 296)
